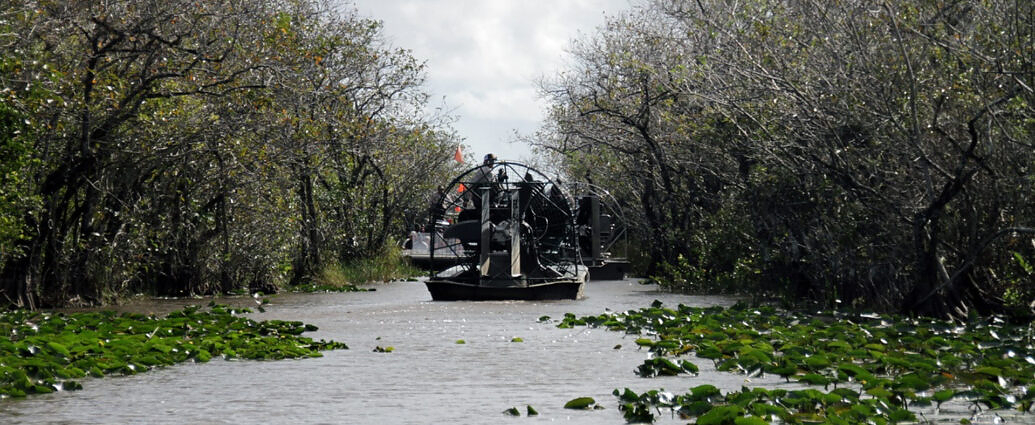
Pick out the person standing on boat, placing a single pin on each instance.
(482, 178)
(435, 207)
(484, 173)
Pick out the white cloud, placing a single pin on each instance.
(484, 56)
(500, 103)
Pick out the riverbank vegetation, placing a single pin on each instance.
(849, 154)
(177, 148)
(388, 266)
(852, 153)
(45, 352)
(849, 368)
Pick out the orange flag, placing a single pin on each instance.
(459, 157)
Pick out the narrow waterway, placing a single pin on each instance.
(427, 378)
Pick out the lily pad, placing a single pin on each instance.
(581, 403)
(894, 361)
(57, 347)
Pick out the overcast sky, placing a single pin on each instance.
(483, 57)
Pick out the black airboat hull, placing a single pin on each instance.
(448, 290)
(611, 270)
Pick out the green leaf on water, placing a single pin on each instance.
(990, 371)
(626, 396)
(749, 420)
(901, 415)
(913, 381)
(839, 346)
(58, 348)
(814, 379)
(785, 370)
(695, 408)
(42, 389)
(703, 392)
(855, 371)
(720, 415)
(817, 361)
(637, 413)
(944, 395)
(875, 347)
(580, 403)
(644, 342)
(879, 392)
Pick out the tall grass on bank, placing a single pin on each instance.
(386, 266)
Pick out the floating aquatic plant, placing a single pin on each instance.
(45, 352)
(581, 403)
(872, 368)
(662, 366)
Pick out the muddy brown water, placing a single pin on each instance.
(427, 379)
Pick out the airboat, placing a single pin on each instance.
(600, 225)
(509, 233)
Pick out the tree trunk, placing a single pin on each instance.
(308, 263)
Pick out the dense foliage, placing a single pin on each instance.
(178, 147)
(852, 151)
